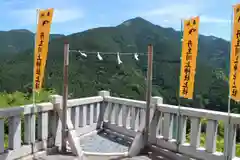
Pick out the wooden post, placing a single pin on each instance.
(141, 139)
(65, 96)
(148, 92)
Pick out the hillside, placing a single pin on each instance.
(17, 41)
(88, 75)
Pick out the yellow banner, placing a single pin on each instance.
(41, 46)
(189, 57)
(234, 79)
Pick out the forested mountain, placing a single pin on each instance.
(89, 75)
(17, 41)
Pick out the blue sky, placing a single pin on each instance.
(77, 15)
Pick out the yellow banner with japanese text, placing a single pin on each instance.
(189, 57)
(234, 79)
(41, 46)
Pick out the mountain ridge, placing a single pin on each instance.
(88, 75)
(13, 43)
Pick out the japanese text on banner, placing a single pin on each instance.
(234, 79)
(189, 56)
(41, 46)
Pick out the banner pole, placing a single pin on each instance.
(33, 86)
(65, 96)
(178, 95)
(228, 128)
(32, 136)
(229, 94)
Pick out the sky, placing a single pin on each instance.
(71, 16)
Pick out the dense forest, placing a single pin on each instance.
(87, 75)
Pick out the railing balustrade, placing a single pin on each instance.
(35, 128)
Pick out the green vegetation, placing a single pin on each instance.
(19, 98)
(220, 137)
(16, 41)
(89, 75)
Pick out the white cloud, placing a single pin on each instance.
(29, 16)
(175, 13)
(208, 19)
(64, 15)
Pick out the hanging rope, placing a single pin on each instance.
(99, 57)
(119, 61)
(84, 53)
